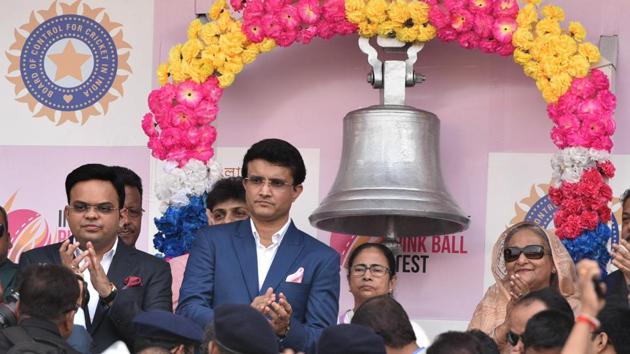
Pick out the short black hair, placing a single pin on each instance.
(488, 345)
(48, 291)
(615, 322)
(5, 217)
(552, 299)
(95, 171)
(391, 260)
(277, 152)
(387, 318)
(547, 329)
(453, 342)
(226, 189)
(128, 177)
(142, 343)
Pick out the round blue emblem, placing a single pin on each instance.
(69, 62)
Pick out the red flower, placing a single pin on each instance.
(606, 168)
(132, 281)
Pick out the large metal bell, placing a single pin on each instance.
(389, 179)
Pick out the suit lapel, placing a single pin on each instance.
(245, 249)
(120, 266)
(288, 251)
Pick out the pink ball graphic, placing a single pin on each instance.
(28, 230)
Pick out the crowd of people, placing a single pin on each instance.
(254, 283)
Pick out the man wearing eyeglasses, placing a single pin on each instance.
(132, 224)
(618, 282)
(122, 281)
(265, 261)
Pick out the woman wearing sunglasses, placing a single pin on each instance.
(371, 273)
(525, 258)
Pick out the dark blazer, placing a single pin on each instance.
(616, 290)
(40, 329)
(223, 269)
(114, 323)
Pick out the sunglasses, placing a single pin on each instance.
(510, 254)
(513, 338)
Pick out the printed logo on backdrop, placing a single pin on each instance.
(69, 62)
(416, 250)
(538, 208)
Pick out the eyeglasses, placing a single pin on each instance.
(135, 213)
(102, 209)
(513, 338)
(274, 183)
(510, 254)
(377, 270)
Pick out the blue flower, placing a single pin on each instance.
(591, 245)
(177, 227)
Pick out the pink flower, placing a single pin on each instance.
(148, 125)
(211, 89)
(334, 10)
(237, 5)
(607, 100)
(600, 80)
(483, 25)
(582, 87)
(309, 11)
(567, 103)
(254, 31)
(568, 122)
(558, 138)
(286, 38)
(590, 109)
(488, 45)
(273, 6)
(503, 29)
(447, 34)
(255, 9)
(508, 8)
(189, 93)
(505, 49)
(180, 116)
(307, 34)
(455, 4)
(461, 20)
(438, 18)
(289, 17)
(480, 6)
(345, 27)
(325, 30)
(468, 40)
(271, 26)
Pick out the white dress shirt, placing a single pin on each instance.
(106, 261)
(265, 255)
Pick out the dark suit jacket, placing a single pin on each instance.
(114, 323)
(222, 269)
(616, 290)
(40, 329)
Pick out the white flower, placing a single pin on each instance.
(569, 164)
(177, 185)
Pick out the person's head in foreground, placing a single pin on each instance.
(387, 318)
(350, 339)
(546, 332)
(49, 292)
(455, 343)
(226, 201)
(239, 328)
(528, 306)
(163, 329)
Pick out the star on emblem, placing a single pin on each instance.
(69, 62)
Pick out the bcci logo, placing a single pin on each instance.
(538, 208)
(68, 62)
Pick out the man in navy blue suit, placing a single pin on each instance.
(265, 261)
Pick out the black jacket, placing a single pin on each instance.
(41, 329)
(115, 323)
(616, 290)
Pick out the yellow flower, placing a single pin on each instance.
(565, 45)
(178, 71)
(521, 57)
(533, 2)
(194, 28)
(398, 11)
(209, 33)
(175, 53)
(407, 34)
(367, 29)
(355, 16)
(388, 28)
(217, 9)
(355, 6)
(578, 66)
(266, 45)
(548, 26)
(526, 16)
(577, 31)
(226, 79)
(426, 33)
(523, 38)
(543, 84)
(531, 70)
(550, 65)
(162, 74)
(560, 83)
(549, 95)
(225, 22)
(553, 12)
(376, 10)
(233, 65)
(419, 11)
(191, 49)
(250, 54)
(589, 51)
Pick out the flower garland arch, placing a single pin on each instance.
(579, 100)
